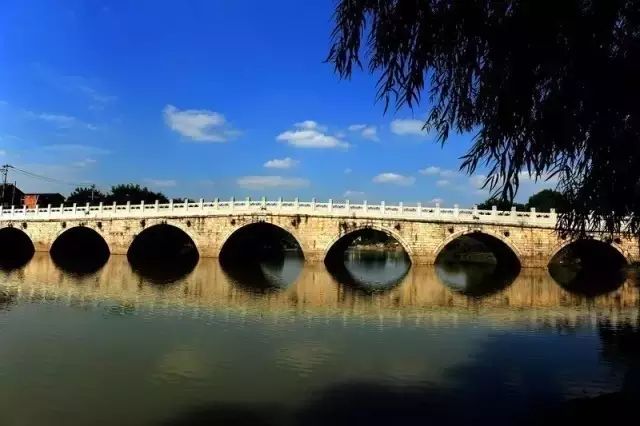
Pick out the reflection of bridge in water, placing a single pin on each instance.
(533, 297)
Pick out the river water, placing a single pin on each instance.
(377, 342)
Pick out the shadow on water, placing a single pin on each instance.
(369, 271)
(16, 249)
(476, 280)
(502, 384)
(80, 251)
(163, 254)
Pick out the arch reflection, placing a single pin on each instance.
(588, 267)
(80, 250)
(16, 248)
(163, 254)
(475, 279)
(370, 270)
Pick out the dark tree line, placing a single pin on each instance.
(119, 194)
(542, 201)
(546, 87)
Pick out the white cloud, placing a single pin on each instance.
(408, 127)
(349, 193)
(310, 125)
(3, 152)
(61, 121)
(262, 182)
(477, 181)
(200, 125)
(356, 127)
(347, 171)
(448, 173)
(394, 178)
(309, 134)
(366, 131)
(436, 201)
(85, 163)
(161, 183)
(430, 171)
(281, 163)
(443, 182)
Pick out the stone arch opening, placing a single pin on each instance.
(80, 250)
(261, 257)
(16, 248)
(477, 264)
(588, 267)
(163, 253)
(369, 259)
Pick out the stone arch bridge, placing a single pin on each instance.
(422, 231)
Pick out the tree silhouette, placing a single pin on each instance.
(83, 195)
(134, 194)
(548, 88)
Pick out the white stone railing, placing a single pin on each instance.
(310, 208)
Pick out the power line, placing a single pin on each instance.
(4, 171)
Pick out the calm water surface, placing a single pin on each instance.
(290, 343)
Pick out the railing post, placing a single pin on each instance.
(186, 205)
(456, 210)
(115, 208)
(157, 206)
(232, 201)
(37, 208)
(100, 207)
(553, 214)
(216, 203)
(475, 210)
(48, 210)
(74, 209)
(201, 203)
(1, 209)
(532, 214)
(279, 203)
(437, 209)
(400, 207)
(264, 203)
(13, 210)
(419, 209)
(142, 207)
(494, 210)
(514, 213)
(382, 207)
(346, 206)
(313, 204)
(128, 206)
(296, 203)
(364, 206)
(330, 205)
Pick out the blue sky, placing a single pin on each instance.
(208, 99)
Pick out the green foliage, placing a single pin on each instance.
(551, 94)
(83, 195)
(542, 201)
(134, 194)
(548, 199)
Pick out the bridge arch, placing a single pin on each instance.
(244, 227)
(16, 247)
(493, 240)
(598, 240)
(80, 249)
(333, 244)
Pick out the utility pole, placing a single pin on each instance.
(93, 188)
(4, 170)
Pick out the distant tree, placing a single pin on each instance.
(500, 204)
(547, 87)
(548, 199)
(83, 195)
(134, 194)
